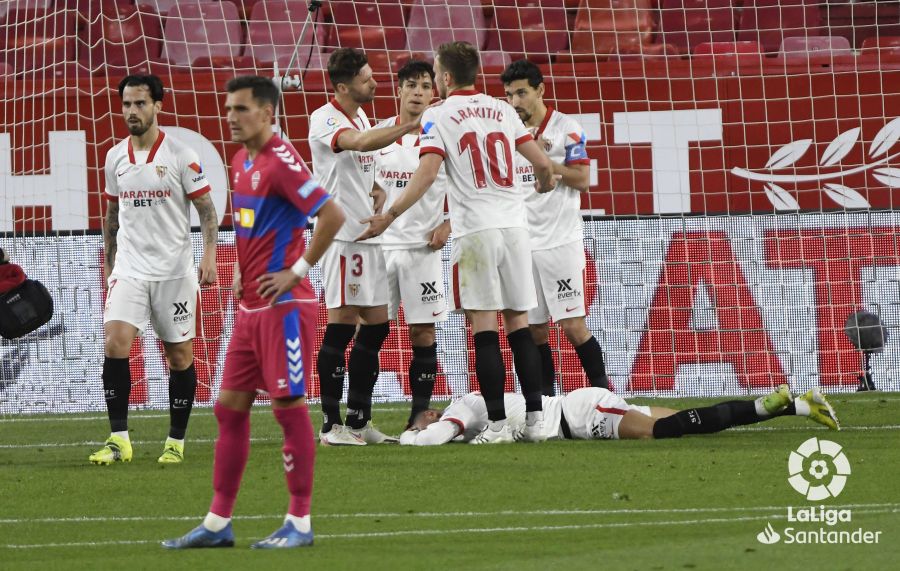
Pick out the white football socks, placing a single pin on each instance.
(301, 523)
(122, 434)
(533, 417)
(214, 522)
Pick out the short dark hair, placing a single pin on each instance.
(461, 60)
(522, 69)
(152, 82)
(414, 69)
(264, 89)
(345, 64)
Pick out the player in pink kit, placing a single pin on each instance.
(273, 196)
(475, 136)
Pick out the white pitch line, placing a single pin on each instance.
(498, 513)
(799, 428)
(263, 409)
(277, 439)
(479, 530)
(205, 411)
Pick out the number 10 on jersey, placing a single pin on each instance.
(494, 144)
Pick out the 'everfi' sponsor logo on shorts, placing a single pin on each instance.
(430, 293)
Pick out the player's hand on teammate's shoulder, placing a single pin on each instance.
(439, 236)
(206, 271)
(237, 288)
(276, 284)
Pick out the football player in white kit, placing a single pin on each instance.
(474, 136)
(555, 225)
(594, 413)
(412, 246)
(341, 142)
(151, 181)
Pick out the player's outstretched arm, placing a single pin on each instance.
(373, 139)
(329, 219)
(110, 231)
(424, 177)
(543, 166)
(440, 432)
(209, 227)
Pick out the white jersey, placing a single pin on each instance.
(477, 136)
(394, 167)
(348, 176)
(554, 218)
(154, 189)
(591, 414)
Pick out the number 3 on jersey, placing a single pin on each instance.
(494, 143)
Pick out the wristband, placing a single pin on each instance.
(301, 268)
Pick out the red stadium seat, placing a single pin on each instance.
(274, 32)
(770, 21)
(815, 47)
(535, 29)
(374, 24)
(613, 26)
(196, 30)
(885, 49)
(122, 36)
(163, 7)
(433, 22)
(859, 21)
(688, 23)
(33, 40)
(9, 6)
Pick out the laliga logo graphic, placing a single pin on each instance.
(768, 535)
(818, 469)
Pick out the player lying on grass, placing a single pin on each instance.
(597, 414)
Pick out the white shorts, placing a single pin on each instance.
(169, 305)
(559, 279)
(492, 271)
(354, 274)
(593, 413)
(415, 278)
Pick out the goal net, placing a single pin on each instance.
(744, 169)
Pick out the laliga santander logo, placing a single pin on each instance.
(818, 469)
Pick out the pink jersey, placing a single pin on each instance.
(477, 136)
(273, 197)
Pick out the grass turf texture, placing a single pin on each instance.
(693, 503)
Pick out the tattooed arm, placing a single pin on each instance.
(110, 231)
(209, 226)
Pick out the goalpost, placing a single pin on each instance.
(744, 172)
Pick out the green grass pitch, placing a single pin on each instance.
(694, 503)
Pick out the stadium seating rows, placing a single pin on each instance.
(102, 37)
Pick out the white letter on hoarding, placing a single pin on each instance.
(64, 188)
(669, 134)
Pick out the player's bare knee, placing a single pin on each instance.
(514, 320)
(179, 355)
(344, 314)
(117, 342)
(540, 333)
(373, 315)
(576, 330)
(421, 334)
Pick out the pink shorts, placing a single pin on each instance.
(271, 349)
